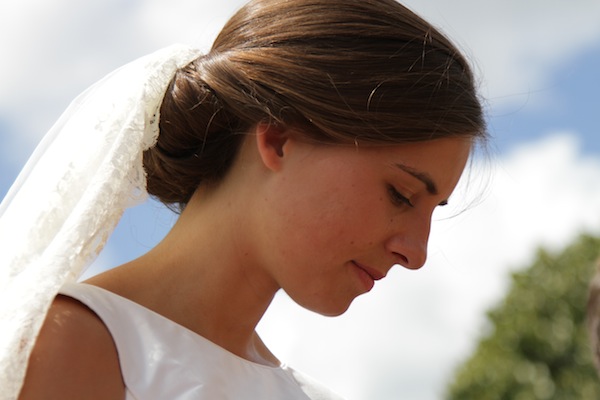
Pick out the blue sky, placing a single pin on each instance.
(574, 90)
(404, 338)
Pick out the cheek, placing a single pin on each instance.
(327, 200)
(309, 228)
(329, 218)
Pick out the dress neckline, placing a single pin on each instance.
(165, 320)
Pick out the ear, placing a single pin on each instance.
(271, 144)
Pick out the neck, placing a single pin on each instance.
(203, 276)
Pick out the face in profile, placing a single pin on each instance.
(339, 217)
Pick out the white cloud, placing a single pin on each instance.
(516, 44)
(53, 49)
(195, 22)
(404, 339)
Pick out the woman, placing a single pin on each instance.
(306, 152)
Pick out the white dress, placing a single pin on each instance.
(161, 359)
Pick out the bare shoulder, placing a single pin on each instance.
(74, 357)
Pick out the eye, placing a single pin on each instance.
(398, 198)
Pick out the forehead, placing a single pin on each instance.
(440, 160)
(433, 152)
(451, 147)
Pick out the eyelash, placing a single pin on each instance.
(397, 197)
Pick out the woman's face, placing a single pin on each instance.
(338, 218)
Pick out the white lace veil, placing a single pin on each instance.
(70, 195)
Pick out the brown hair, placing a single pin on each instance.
(343, 71)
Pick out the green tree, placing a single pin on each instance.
(537, 346)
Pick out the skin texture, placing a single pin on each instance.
(74, 357)
(320, 222)
(355, 217)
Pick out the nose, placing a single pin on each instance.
(408, 244)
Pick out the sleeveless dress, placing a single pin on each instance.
(161, 359)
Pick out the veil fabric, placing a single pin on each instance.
(70, 195)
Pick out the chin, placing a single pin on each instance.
(333, 313)
(332, 309)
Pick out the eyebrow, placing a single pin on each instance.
(422, 176)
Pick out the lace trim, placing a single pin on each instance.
(66, 202)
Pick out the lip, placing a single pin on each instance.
(372, 272)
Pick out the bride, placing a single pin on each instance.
(305, 152)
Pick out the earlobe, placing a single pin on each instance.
(270, 142)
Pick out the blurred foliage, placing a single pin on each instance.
(538, 346)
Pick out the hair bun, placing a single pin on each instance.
(197, 142)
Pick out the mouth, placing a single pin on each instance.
(372, 272)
